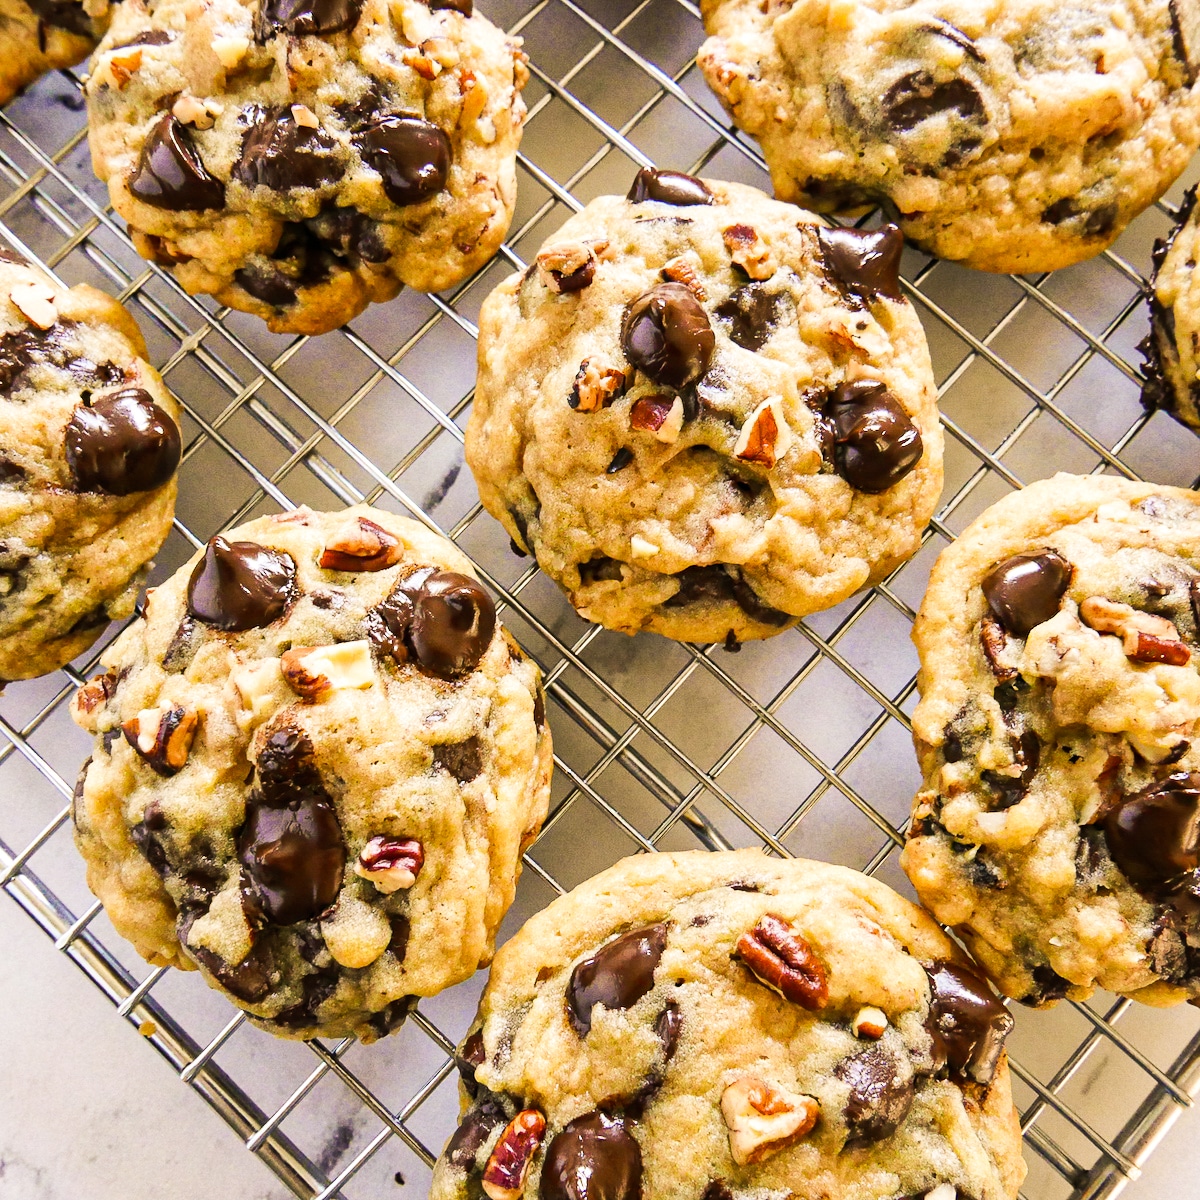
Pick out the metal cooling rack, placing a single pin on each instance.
(804, 742)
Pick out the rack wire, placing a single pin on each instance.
(804, 746)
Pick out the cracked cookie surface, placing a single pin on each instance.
(44, 35)
(705, 412)
(89, 445)
(318, 759)
(1021, 136)
(301, 160)
(1058, 830)
(711, 1026)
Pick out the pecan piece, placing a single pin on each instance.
(391, 864)
(1147, 647)
(783, 961)
(163, 737)
(566, 267)
(508, 1165)
(361, 545)
(659, 415)
(763, 1118)
(94, 695)
(765, 437)
(1144, 636)
(994, 640)
(749, 251)
(681, 270)
(314, 671)
(595, 387)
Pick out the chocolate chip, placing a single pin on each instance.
(865, 262)
(280, 154)
(303, 17)
(152, 37)
(300, 259)
(170, 173)
(1027, 589)
(721, 583)
(240, 585)
(666, 334)
(249, 980)
(918, 96)
(1009, 789)
(350, 233)
(398, 944)
(875, 443)
(669, 187)
(469, 1056)
(620, 461)
(412, 155)
(751, 314)
(595, 1157)
(182, 647)
(618, 975)
(967, 1023)
(145, 836)
(453, 623)
(123, 443)
(539, 709)
(476, 1129)
(1154, 835)
(881, 1094)
(668, 1027)
(464, 760)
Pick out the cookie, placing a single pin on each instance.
(299, 160)
(43, 35)
(318, 759)
(1172, 357)
(701, 1026)
(705, 412)
(1015, 136)
(1058, 828)
(89, 445)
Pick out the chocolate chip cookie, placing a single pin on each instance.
(1020, 136)
(300, 159)
(706, 1026)
(318, 759)
(1058, 830)
(705, 412)
(89, 444)
(1172, 348)
(37, 36)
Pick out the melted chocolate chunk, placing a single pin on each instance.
(453, 623)
(1097, 222)
(751, 315)
(865, 262)
(618, 975)
(1009, 789)
(918, 96)
(317, 988)
(880, 1095)
(667, 336)
(300, 260)
(875, 443)
(249, 980)
(464, 760)
(475, 1131)
(145, 836)
(350, 234)
(398, 943)
(1027, 589)
(669, 187)
(469, 1056)
(170, 174)
(64, 14)
(24, 349)
(594, 1158)
(392, 1015)
(411, 155)
(668, 1027)
(278, 153)
(240, 585)
(123, 443)
(1154, 835)
(967, 1023)
(301, 17)
(717, 583)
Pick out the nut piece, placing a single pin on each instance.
(230, 50)
(36, 303)
(163, 737)
(765, 437)
(1145, 637)
(391, 864)
(304, 116)
(361, 545)
(198, 113)
(994, 639)
(94, 695)
(682, 270)
(119, 67)
(870, 1023)
(312, 671)
(508, 1165)
(595, 387)
(640, 547)
(784, 962)
(566, 267)
(660, 416)
(474, 95)
(763, 1118)
(749, 251)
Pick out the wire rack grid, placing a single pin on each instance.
(804, 743)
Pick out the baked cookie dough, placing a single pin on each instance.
(1015, 136)
(1058, 830)
(89, 444)
(707, 1026)
(37, 36)
(705, 412)
(299, 159)
(1172, 348)
(318, 759)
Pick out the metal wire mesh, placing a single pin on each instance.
(804, 743)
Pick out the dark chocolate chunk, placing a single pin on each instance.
(10, 472)
(1154, 835)
(464, 760)
(316, 989)
(952, 33)
(667, 336)
(392, 1015)
(967, 1023)
(1027, 589)
(474, 1132)
(469, 1056)
(620, 460)
(170, 173)
(1048, 986)
(1009, 789)
(669, 187)
(398, 944)
(668, 1027)
(539, 709)
(595, 1157)
(300, 259)
(453, 623)
(881, 1093)
(64, 14)
(716, 583)
(123, 443)
(240, 585)
(301, 17)
(865, 262)
(618, 975)
(280, 154)
(751, 315)
(350, 234)
(412, 155)
(465, 7)
(918, 96)
(1096, 222)
(182, 647)
(249, 980)
(146, 837)
(875, 442)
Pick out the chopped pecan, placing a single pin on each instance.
(391, 864)
(1144, 636)
(566, 267)
(163, 737)
(785, 962)
(1147, 647)
(313, 671)
(508, 1165)
(994, 638)
(680, 270)
(870, 1023)
(361, 545)
(763, 1118)
(659, 415)
(94, 694)
(595, 387)
(749, 251)
(765, 437)
(118, 68)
